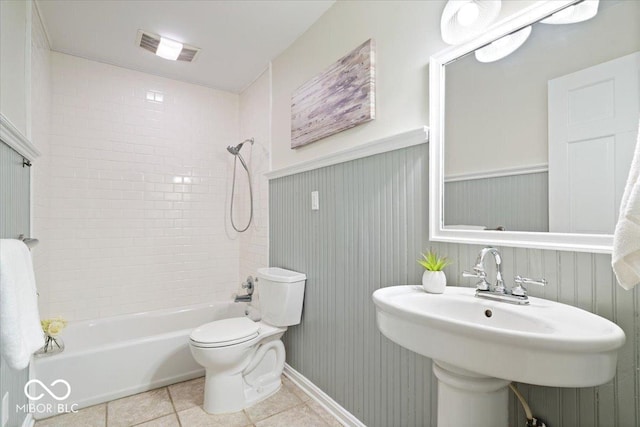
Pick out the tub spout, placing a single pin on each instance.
(249, 286)
(242, 298)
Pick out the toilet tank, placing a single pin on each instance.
(281, 295)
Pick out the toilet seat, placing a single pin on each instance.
(225, 332)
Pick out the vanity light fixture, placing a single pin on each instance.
(464, 19)
(582, 11)
(503, 46)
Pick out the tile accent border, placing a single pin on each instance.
(383, 145)
(345, 417)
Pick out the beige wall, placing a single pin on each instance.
(406, 34)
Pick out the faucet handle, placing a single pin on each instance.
(249, 285)
(477, 273)
(474, 274)
(520, 289)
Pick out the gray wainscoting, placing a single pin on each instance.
(516, 202)
(370, 228)
(14, 220)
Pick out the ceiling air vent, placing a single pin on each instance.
(150, 41)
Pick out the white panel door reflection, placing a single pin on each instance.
(593, 125)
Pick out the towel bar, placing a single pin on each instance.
(28, 241)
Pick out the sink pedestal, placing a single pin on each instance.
(472, 341)
(469, 399)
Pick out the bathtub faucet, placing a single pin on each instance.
(249, 286)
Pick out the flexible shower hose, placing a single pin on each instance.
(233, 189)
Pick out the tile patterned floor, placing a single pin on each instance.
(180, 405)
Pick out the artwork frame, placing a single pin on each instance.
(339, 98)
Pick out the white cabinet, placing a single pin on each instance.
(15, 62)
(15, 76)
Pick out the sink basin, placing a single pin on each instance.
(544, 343)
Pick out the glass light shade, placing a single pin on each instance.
(503, 46)
(468, 14)
(576, 13)
(463, 20)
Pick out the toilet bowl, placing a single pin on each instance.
(244, 359)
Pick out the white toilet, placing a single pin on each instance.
(244, 359)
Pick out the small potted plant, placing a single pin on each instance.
(433, 278)
(52, 342)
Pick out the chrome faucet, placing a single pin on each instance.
(480, 273)
(249, 285)
(517, 295)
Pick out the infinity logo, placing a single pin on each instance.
(52, 394)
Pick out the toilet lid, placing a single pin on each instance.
(226, 331)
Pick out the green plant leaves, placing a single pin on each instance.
(433, 262)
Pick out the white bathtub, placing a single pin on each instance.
(113, 357)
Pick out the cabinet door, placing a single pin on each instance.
(14, 61)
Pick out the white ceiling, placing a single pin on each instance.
(237, 38)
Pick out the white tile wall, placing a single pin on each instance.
(40, 133)
(255, 105)
(138, 193)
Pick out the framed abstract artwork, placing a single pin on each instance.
(339, 98)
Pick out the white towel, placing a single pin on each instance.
(626, 238)
(20, 331)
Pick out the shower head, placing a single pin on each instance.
(236, 150)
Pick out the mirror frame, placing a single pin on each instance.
(594, 243)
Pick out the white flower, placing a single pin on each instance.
(54, 328)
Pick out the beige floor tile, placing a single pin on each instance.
(197, 417)
(187, 394)
(284, 399)
(170, 420)
(139, 408)
(301, 415)
(327, 417)
(93, 416)
(295, 389)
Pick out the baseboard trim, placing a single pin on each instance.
(345, 417)
(29, 421)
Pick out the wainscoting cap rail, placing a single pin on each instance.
(11, 136)
(382, 145)
(498, 173)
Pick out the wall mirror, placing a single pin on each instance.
(533, 149)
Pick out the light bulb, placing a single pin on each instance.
(169, 49)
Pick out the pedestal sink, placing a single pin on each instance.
(479, 346)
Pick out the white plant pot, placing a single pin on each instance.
(434, 281)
